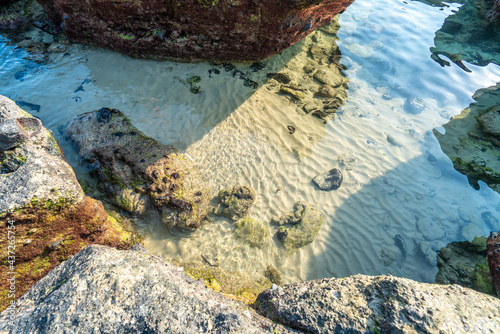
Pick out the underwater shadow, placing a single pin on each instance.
(395, 223)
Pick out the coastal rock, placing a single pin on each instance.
(235, 202)
(138, 173)
(330, 180)
(307, 221)
(105, 290)
(42, 202)
(380, 304)
(273, 275)
(12, 134)
(465, 263)
(252, 232)
(330, 76)
(192, 29)
(493, 248)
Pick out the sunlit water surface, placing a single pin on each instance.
(397, 180)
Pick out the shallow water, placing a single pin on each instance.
(397, 180)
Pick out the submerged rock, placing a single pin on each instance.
(380, 304)
(330, 180)
(307, 221)
(470, 140)
(235, 202)
(192, 29)
(493, 249)
(105, 290)
(252, 232)
(273, 275)
(469, 35)
(465, 263)
(42, 202)
(138, 173)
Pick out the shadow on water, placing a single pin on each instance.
(176, 103)
(395, 224)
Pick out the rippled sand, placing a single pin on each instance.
(397, 181)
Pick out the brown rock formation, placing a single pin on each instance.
(493, 246)
(192, 29)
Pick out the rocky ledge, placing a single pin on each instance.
(44, 215)
(192, 29)
(105, 290)
(380, 304)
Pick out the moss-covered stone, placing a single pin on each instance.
(252, 232)
(307, 220)
(465, 263)
(235, 202)
(273, 275)
(231, 284)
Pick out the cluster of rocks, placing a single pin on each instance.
(318, 88)
(137, 173)
(42, 201)
(99, 290)
(472, 141)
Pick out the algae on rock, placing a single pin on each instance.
(465, 263)
(252, 232)
(307, 222)
(138, 173)
(43, 204)
(235, 202)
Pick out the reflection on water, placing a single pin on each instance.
(401, 199)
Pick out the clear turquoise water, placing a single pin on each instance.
(236, 134)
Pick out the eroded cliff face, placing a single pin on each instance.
(192, 29)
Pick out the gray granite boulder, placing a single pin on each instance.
(103, 290)
(380, 304)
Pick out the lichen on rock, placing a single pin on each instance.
(136, 172)
(306, 220)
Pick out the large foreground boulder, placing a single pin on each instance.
(138, 173)
(44, 215)
(103, 290)
(380, 304)
(192, 29)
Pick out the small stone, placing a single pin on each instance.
(56, 244)
(330, 77)
(330, 180)
(12, 134)
(236, 202)
(326, 91)
(291, 129)
(282, 233)
(26, 242)
(283, 78)
(393, 141)
(252, 232)
(273, 275)
(310, 107)
(308, 68)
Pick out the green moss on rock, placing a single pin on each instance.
(252, 232)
